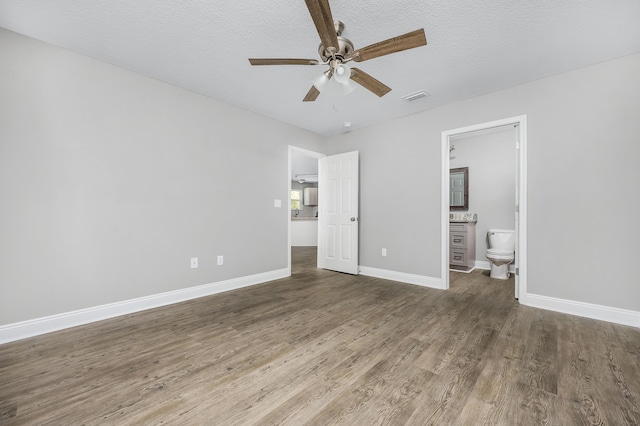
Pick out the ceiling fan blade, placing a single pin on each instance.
(312, 95)
(321, 14)
(396, 44)
(283, 61)
(368, 82)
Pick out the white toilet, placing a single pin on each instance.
(502, 243)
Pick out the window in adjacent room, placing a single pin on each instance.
(296, 199)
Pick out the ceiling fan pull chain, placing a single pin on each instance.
(333, 95)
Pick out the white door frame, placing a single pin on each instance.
(288, 206)
(521, 202)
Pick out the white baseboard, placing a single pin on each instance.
(402, 277)
(35, 327)
(588, 310)
(464, 272)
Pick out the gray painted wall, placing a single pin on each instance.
(491, 158)
(583, 152)
(111, 181)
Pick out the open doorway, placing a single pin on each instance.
(302, 211)
(518, 138)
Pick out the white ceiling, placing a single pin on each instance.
(474, 47)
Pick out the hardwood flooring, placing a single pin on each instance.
(324, 348)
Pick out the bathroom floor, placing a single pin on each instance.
(478, 277)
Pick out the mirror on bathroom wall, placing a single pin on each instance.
(459, 189)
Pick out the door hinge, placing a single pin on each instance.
(518, 271)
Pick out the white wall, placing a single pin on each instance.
(583, 150)
(491, 158)
(110, 182)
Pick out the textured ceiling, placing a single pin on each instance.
(474, 47)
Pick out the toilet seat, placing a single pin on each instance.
(500, 254)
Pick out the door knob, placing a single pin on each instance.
(353, 219)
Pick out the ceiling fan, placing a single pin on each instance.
(336, 51)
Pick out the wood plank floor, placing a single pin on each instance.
(325, 348)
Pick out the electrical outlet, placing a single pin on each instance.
(220, 260)
(384, 251)
(194, 262)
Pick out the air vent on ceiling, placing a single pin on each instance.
(415, 95)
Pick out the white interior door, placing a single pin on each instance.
(338, 185)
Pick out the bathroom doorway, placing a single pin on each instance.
(448, 142)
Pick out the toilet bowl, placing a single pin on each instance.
(500, 252)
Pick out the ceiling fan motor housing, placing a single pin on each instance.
(345, 47)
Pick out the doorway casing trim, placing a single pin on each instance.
(521, 202)
(308, 153)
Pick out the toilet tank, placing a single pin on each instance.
(504, 239)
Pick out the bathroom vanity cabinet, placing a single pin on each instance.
(462, 246)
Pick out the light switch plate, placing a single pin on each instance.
(194, 262)
(277, 203)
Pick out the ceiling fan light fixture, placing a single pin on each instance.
(347, 87)
(322, 81)
(342, 73)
